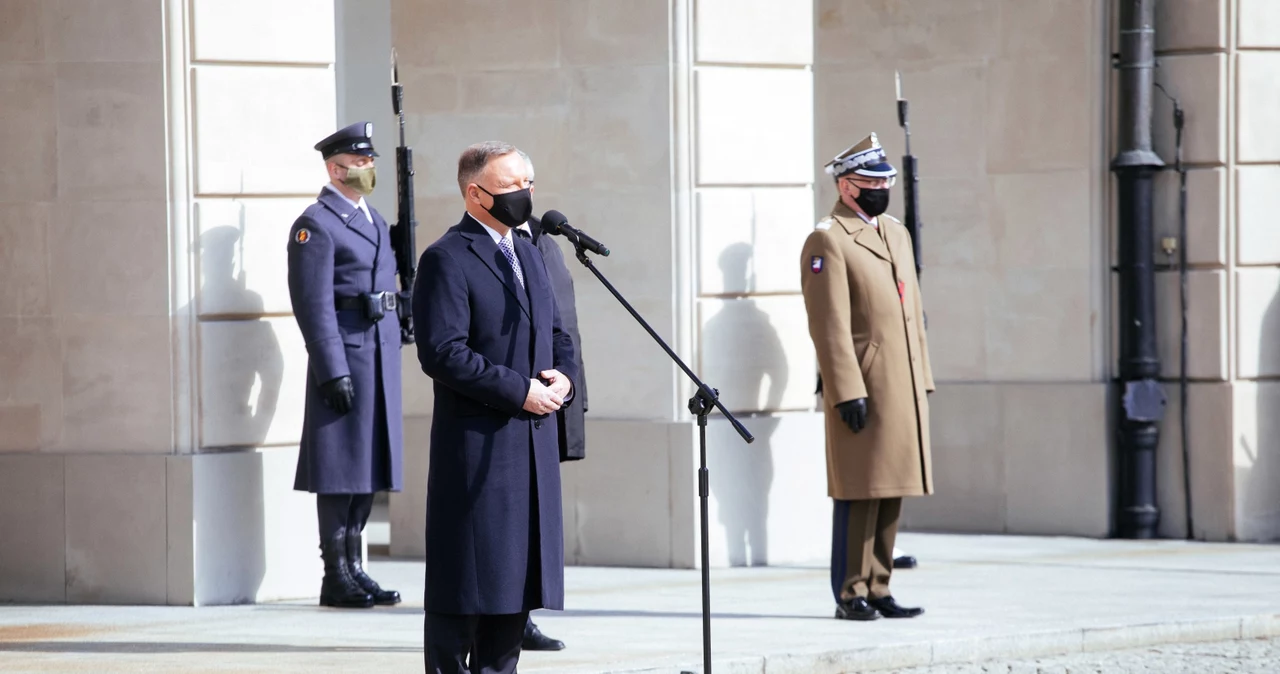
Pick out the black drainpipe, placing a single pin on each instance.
(1141, 395)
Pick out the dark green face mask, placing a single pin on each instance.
(361, 179)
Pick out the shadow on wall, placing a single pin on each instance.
(231, 542)
(1259, 519)
(741, 474)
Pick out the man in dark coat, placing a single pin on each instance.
(569, 420)
(489, 335)
(342, 282)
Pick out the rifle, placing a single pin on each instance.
(402, 233)
(911, 179)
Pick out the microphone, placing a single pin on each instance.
(556, 223)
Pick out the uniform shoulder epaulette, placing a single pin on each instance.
(824, 224)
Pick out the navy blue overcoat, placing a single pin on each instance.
(494, 539)
(334, 251)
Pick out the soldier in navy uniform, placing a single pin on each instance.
(342, 282)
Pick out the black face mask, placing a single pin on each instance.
(511, 208)
(873, 202)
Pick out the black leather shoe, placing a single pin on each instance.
(905, 562)
(339, 589)
(535, 640)
(889, 608)
(381, 597)
(856, 609)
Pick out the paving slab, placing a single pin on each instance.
(987, 597)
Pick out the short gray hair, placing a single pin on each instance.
(528, 163)
(474, 159)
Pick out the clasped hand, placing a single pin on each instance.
(549, 397)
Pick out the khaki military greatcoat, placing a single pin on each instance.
(867, 325)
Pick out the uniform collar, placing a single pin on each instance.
(852, 220)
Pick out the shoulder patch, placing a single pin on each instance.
(815, 264)
(302, 236)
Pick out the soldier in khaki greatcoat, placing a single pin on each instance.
(867, 324)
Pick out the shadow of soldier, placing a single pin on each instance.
(242, 368)
(742, 338)
(1260, 481)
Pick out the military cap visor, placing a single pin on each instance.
(867, 158)
(354, 139)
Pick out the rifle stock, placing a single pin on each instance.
(403, 232)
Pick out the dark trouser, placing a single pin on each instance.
(472, 644)
(862, 536)
(342, 511)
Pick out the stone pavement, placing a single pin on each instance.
(988, 598)
(1242, 656)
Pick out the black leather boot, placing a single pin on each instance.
(381, 597)
(339, 589)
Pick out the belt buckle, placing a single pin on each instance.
(388, 301)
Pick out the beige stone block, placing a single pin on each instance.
(641, 385)
(408, 511)
(1259, 97)
(1259, 24)
(1063, 29)
(117, 389)
(1258, 327)
(958, 330)
(33, 499)
(1057, 462)
(623, 522)
(1257, 461)
(24, 259)
(1040, 114)
(754, 31)
(256, 127)
(757, 351)
(105, 30)
(181, 526)
(1206, 324)
(242, 256)
(282, 31)
(966, 427)
(768, 502)
(22, 33)
(618, 131)
(29, 131)
(253, 382)
(116, 529)
(1199, 82)
(110, 258)
(256, 537)
(430, 92)
(1258, 214)
(543, 135)
(733, 106)
(1210, 433)
(493, 92)
(1040, 325)
(749, 240)
(1207, 202)
(1042, 220)
(1192, 24)
(959, 223)
(608, 32)
(929, 30)
(851, 101)
(462, 35)
(111, 131)
(31, 369)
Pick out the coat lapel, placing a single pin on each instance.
(534, 281)
(349, 214)
(864, 234)
(484, 248)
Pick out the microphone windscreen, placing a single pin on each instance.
(552, 220)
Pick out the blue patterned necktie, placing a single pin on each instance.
(508, 249)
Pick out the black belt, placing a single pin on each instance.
(385, 300)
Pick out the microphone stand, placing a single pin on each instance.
(700, 405)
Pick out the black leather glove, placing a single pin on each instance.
(338, 394)
(854, 413)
